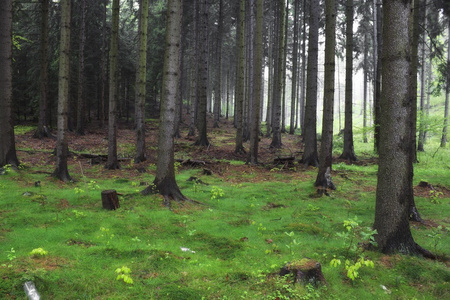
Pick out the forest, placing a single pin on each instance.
(211, 149)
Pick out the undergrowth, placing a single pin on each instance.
(58, 236)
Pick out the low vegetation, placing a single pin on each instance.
(256, 219)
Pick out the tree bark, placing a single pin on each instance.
(42, 129)
(326, 150)
(202, 89)
(278, 80)
(7, 141)
(395, 173)
(310, 156)
(141, 79)
(61, 172)
(257, 84)
(112, 162)
(240, 46)
(349, 151)
(80, 97)
(377, 88)
(447, 92)
(294, 67)
(218, 81)
(165, 183)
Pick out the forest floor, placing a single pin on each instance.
(255, 220)
(216, 158)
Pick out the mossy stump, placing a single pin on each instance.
(306, 271)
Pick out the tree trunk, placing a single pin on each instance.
(218, 80)
(141, 79)
(310, 156)
(112, 162)
(423, 22)
(61, 172)
(42, 129)
(194, 74)
(294, 67)
(447, 92)
(240, 46)
(365, 85)
(303, 72)
(7, 141)
(257, 84)
(80, 100)
(377, 89)
(278, 80)
(395, 173)
(202, 74)
(326, 150)
(103, 68)
(164, 182)
(414, 27)
(349, 151)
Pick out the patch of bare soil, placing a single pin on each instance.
(427, 190)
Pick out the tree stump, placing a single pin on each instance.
(110, 200)
(304, 270)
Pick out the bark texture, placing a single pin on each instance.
(141, 79)
(257, 84)
(349, 151)
(395, 174)
(61, 172)
(164, 182)
(310, 155)
(112, 162)
(7, 141)
(326, 150)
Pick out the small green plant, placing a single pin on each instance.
(311, 207)
(216, 193)
(124, 274)
(292, 243)
(177, 166)
(434, 196)
(105, 234)
(38, 252)
(354, 232)
(11, 256)
(78, 192)
(78, 214)
(352, 268)
(436, 235)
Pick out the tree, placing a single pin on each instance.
(7, 141)
(240, 48)
(80, 100)
(257, 84)
(218, 80)
(141, 71)
(165, 183)
(349, 151)
(202, 87)
(395, 171)
(378, 41)
(310, 156)
(112, 162)
(61, 172)
(278, 80)
(294, 67)
(326, 150)
(447, 92)
(42, 129)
